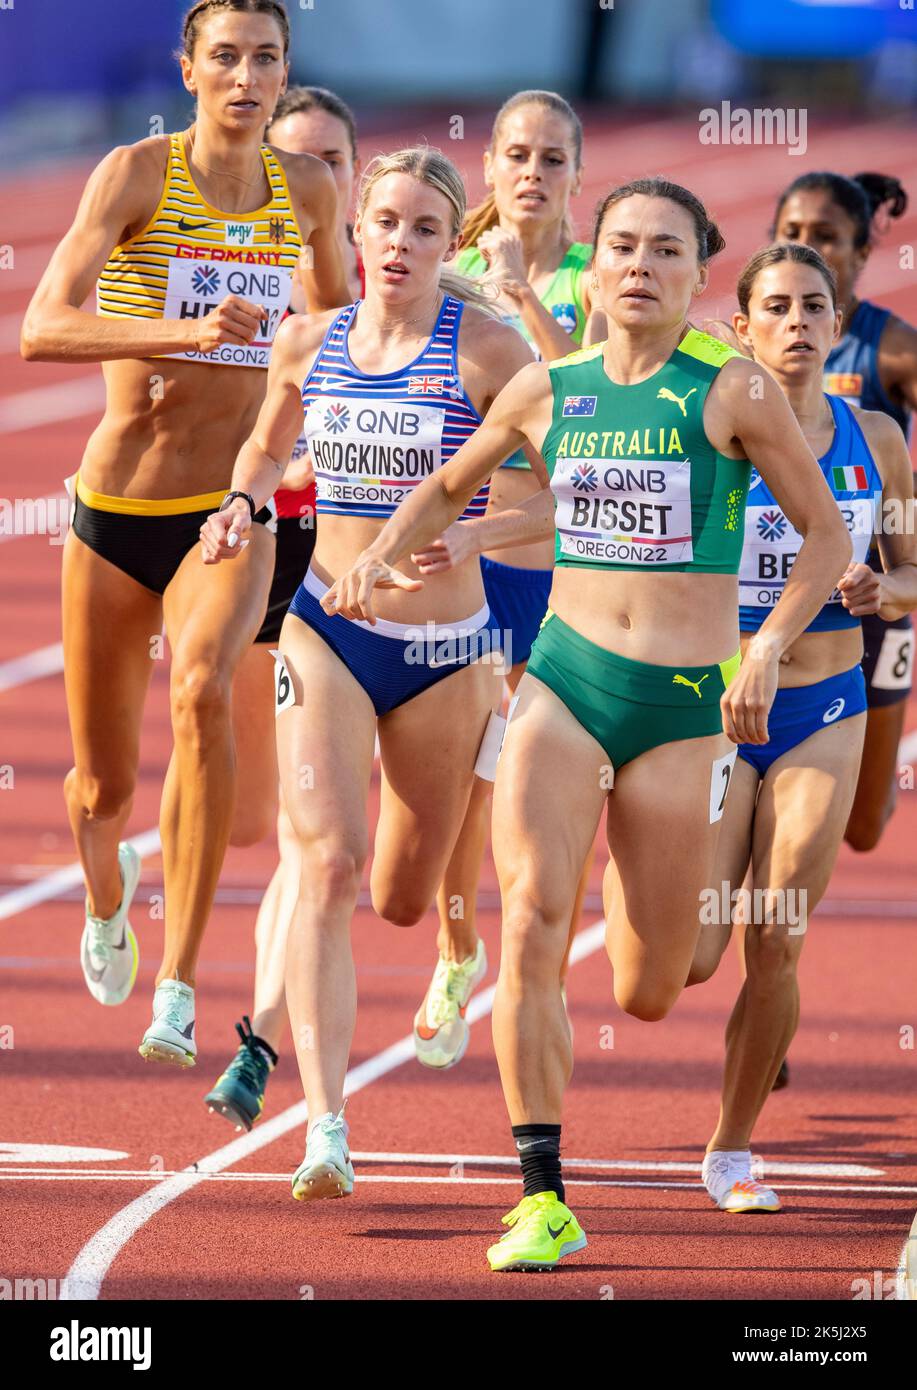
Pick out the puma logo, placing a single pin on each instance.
(695, 686)
(664, 394)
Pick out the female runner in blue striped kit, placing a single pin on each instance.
(392, 386)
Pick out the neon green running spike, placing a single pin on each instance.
(542, 1231)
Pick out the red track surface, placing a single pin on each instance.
(74, 1078)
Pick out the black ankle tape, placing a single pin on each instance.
(538, 1147)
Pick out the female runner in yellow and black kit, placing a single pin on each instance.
(648, 439)
(519, 240)
(193, 238)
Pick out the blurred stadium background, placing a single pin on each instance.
(78, 75)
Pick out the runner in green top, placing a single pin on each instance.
(632, 683)
(637, 482)
(520, 241)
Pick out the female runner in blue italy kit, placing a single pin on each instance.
(873, 365)
(789, 798)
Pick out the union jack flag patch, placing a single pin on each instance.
(426, 385)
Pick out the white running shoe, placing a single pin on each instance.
(326, 1169)
(170, 1037)
(440, 1032)
(727, 1178)
(108, 949)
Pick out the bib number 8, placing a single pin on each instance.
(896, 661)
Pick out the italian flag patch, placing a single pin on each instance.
(850, 479)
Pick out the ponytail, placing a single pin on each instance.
(479, 219)
(882, 189)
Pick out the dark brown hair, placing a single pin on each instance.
(709, 237)
(793, 251)
(296, 99)
(190, 29)
(860, 198)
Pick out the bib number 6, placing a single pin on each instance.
(283, 685)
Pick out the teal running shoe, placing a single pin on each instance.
(239, 1093)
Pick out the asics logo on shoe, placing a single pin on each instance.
(554, 1234)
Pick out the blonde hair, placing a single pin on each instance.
(484, 216)
(432, 167)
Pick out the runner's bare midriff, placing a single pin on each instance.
(448, 597)
(817, 655)
(663, 619)
(171, 428)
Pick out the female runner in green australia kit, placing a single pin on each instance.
(635, 681)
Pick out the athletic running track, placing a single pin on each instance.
(112, 1174)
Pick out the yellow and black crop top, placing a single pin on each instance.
(191, 255)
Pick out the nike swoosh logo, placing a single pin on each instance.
(186, 1032)
(533, 1143)
(184, 226)
(95, 975)
(554, 1234)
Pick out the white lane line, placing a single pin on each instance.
(61, 880)
(34, 666)
(442, 1179)
(47, 405)
(92, 1263)
(452, 1161)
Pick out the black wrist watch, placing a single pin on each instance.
(230, 496)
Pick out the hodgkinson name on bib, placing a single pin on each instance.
(634, 513)
(357, 443)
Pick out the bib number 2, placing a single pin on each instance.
(283, 685)
(720, 778)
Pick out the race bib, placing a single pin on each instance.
(772, 544)
(633, 513)
(720, 778)
(895, 665)
(195, 287)
(372, 453)
(283, 685)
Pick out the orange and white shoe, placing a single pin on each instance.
(728, 1179)
(440, 1032)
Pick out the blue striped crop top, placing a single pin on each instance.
(374, 438)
